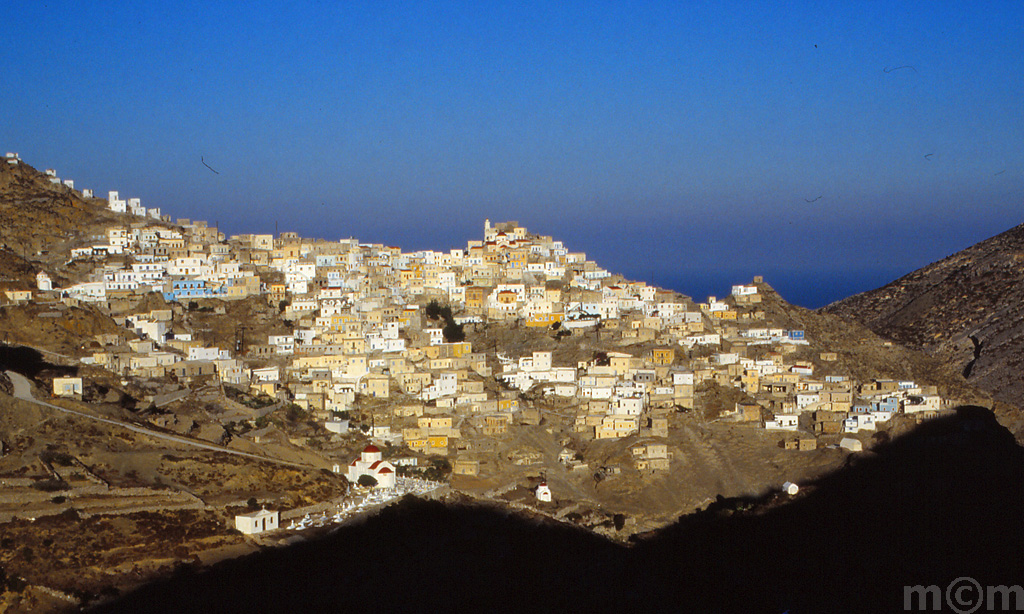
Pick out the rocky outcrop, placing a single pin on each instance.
(967, 308)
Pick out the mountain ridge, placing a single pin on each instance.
(967, 308)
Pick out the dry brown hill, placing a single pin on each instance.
(966, 309)
(40, 220)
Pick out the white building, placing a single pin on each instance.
(783, 422)
(116, 204)
(851, 444)
(859, 422)
(67, 386)
(257, 522)
(89, 291)
(214, 353)
(544, 493)
(372, 464)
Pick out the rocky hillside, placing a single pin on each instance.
(966, 309)
(40, 220)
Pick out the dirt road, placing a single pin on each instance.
(23, 391)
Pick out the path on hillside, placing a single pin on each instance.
(23, 391)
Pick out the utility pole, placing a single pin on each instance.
(240, 339)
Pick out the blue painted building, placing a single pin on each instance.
(187, 289)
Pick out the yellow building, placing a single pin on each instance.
(544, 320)
(662, 356)
(378, 386)
(508, 405)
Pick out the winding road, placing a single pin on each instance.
(23, 391)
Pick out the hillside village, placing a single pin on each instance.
(376, 343)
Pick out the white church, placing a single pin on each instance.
(370, 463)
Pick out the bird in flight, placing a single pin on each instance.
(813, 199)
(888, 70)
(926, 156)
(206, 165)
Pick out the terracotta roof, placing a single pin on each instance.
(374, 465)
(385, 470)
(371, 448)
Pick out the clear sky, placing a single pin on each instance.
(676, 142)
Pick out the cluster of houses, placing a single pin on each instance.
(359, 329)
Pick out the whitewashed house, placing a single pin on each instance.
(93, 291)
(859, 422)
(195, 353)
(914, 404)
(136, 208)
(783, 422)
(116, 204)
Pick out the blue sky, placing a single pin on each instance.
(674, 142)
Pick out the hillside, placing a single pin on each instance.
(827, 549)
(966, 309)
(40, 220)
(660, 407)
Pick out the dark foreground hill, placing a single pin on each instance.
(967, 308)
(940, 503)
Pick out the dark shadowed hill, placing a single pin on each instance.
(967, 308)
(940, 503)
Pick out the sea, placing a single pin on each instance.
(811, 289)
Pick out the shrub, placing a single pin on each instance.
(59, 458)
(453, 333)
(50, 485)
(433, 310)
(366, 480)
(294, 413)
